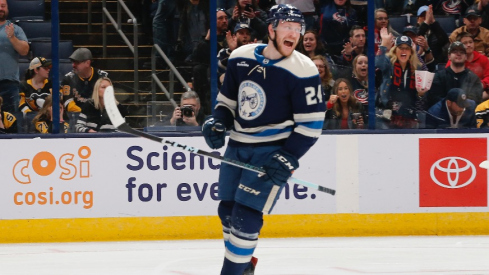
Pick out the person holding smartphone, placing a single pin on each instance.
(248, 12)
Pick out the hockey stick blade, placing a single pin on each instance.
(484, 164)
(119, 122)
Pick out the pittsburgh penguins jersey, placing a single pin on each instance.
(482, 114)
(272, 101)
(45, 126)
(31, 99)
(9, 123)
(77, 90)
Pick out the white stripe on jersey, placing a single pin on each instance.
(260, 129)
(308, 132)
(255, 139)
(222, 100)
(318, 116)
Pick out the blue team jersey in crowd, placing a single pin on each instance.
(272, 100)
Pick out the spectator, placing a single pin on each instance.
(307, 8)
(455, 76)
(454, 111)
(93, 117)
(77, 85)
(165, 26)
(346, 112)
(359, 82)
(382, 21)
(434, 33)
(327, 80)
(189, 113)
(472, 21)
(398, 90)
(247, 11)
(241, 36)
(8, 122)
(337, 18)
(482, 114)
(201, 59)
(36, 86)
(310, 45)
(476, 62)
(194, 23)
(13, 43)
(43, 121)
(355, 46)
(422, 49)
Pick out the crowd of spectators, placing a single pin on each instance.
(335, 39)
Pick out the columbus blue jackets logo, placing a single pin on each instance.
(252, 100)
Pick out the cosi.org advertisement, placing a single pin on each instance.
(135, 177)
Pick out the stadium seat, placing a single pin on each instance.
(447, 23)
(43, 48)
(36, 30)
(399, 22)
(440, 66)
(23, 66)
(65, 67)
(20, 10)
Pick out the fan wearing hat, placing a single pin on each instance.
(472, 22)
(77, 85)
(436, 37)
(476, 62)
(36, 86)
(455, 76)
(423, 51)
(453, 111)
(398, 89)
(241, 36)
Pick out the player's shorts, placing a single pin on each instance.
(244, 186)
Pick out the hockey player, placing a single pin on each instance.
(272, 103)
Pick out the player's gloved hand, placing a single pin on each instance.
(214, 132)
(279, 167)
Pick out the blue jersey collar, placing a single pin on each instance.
(263, 60)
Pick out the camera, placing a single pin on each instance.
(187, 110)
(248, 7)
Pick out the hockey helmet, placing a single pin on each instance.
(286, 13)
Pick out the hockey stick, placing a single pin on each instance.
(484, 164)
(119, 123)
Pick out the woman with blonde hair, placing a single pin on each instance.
(325, 74)
(398, 89)
(93, 117)
(346, 113)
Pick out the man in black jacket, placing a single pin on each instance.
(432, 30)
(455, 76)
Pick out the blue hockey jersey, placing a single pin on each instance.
(272, 101)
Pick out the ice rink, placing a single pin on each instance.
(454, 255)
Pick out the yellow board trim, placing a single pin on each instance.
(208, 227)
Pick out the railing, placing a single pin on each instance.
(117, 25)
(155, 81)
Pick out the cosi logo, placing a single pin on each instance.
(44, 164)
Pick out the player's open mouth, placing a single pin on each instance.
(288, 43)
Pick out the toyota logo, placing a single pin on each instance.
(455, 166)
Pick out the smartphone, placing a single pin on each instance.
(248, 8)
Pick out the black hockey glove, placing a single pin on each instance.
(214, 132)
(279, 167)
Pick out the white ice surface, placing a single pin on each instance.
(457, 255)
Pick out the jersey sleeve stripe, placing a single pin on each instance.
(282, 125)
(309, 117)
(308, 132)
